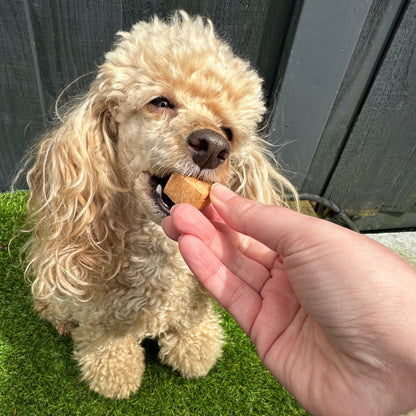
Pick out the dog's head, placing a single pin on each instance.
(181, 102)
(170, 97)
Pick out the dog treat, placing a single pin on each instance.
(188, 189)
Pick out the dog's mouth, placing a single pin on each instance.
(162, 201)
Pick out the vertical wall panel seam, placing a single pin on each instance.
(35, 60)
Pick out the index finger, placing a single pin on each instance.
(245, 257)
(281, 229)
(241, 300)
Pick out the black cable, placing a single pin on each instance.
(339, 212)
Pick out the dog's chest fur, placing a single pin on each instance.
(149, 288)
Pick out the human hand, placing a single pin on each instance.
(331, 312)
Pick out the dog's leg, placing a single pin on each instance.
(113, 366)
(193, 351)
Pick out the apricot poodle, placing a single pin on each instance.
(170, 97)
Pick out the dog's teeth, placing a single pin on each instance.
(159, 190)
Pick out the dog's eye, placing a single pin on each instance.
(161, 102)
(228, 133)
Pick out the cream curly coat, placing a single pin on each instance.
(104, 270)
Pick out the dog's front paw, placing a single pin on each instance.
(113, 369)
(192, 352)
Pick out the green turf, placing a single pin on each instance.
(38, 375)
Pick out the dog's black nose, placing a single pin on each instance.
(209, 148)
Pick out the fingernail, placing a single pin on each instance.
(220, 192)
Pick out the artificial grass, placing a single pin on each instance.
(38, 375)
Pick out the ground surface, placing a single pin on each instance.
(38, 375)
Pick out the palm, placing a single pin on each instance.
(289, 341)
(316, 361)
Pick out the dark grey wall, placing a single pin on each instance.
(47, 44)
(346, 107)
(375, 176)
(340, 77)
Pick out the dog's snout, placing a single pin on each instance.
(209, 148)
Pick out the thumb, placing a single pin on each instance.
(281, 229)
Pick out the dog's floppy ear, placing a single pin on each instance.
(73, 185)
(256, 176)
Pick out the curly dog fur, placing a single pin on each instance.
(103, 269)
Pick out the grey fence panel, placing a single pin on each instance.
(375, 36)
(340, 77)
(346, 106)
(46, 45)
(376, 174)
(21, 112)
(326, 37)
(69, 38)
